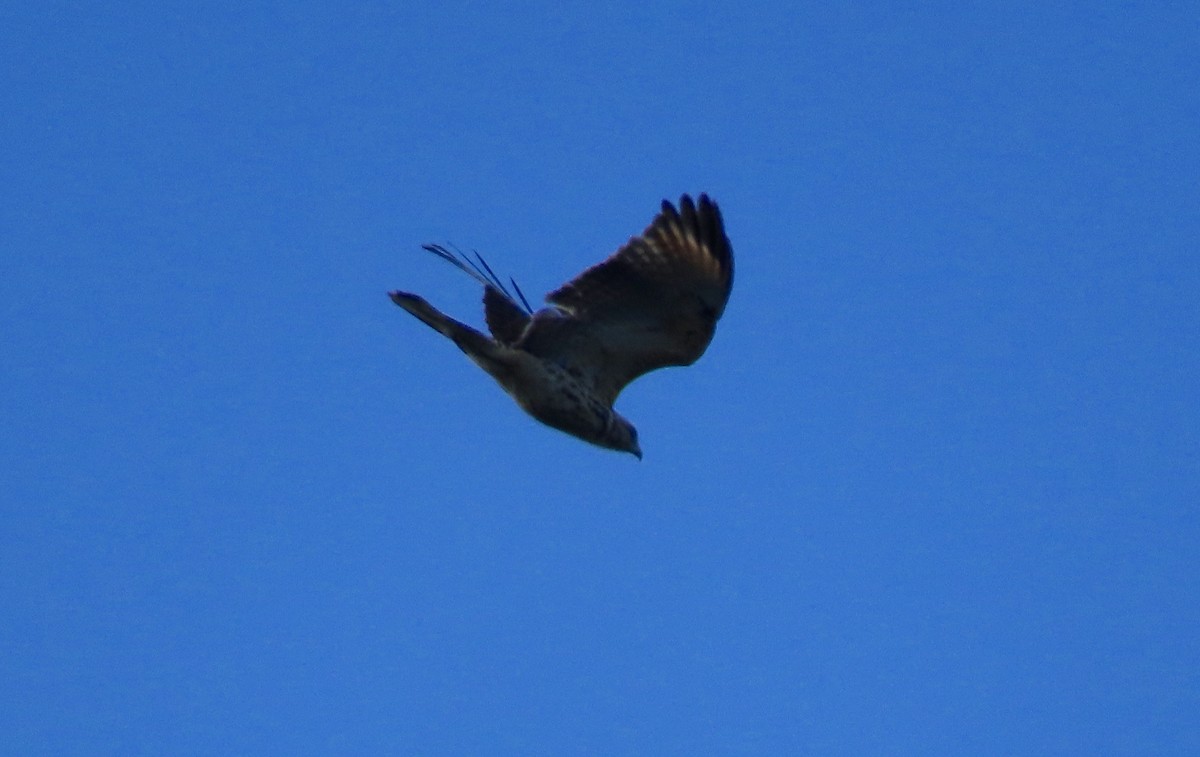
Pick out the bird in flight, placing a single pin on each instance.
(652, 304)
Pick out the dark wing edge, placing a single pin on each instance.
(506, 315)
(710, 230)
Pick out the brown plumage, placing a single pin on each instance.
(654, 303)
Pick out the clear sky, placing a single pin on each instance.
(933, 488)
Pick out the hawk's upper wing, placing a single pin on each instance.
(655, 303)
(506, 317)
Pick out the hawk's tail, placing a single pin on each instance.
(477, 346)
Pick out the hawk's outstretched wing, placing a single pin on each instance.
(655, 303)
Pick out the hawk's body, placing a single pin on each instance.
(655, 303)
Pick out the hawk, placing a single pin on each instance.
(653, 304)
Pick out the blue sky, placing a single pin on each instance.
(933, 488)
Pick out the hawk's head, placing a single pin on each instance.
(621, 435)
